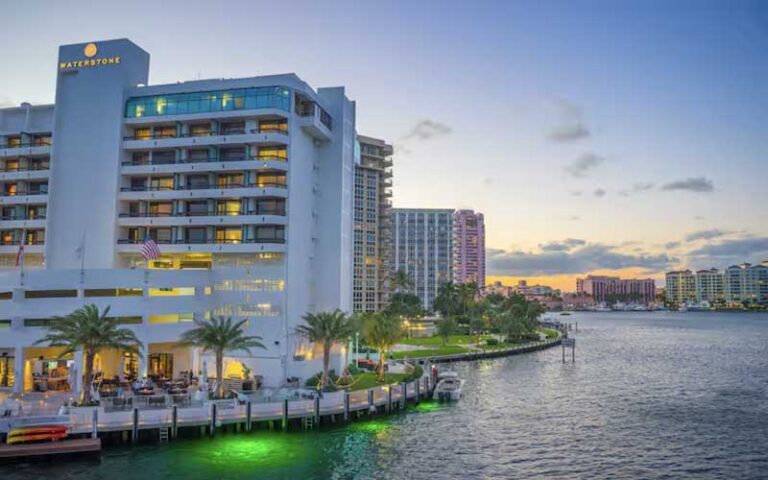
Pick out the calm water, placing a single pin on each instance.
(652, 395)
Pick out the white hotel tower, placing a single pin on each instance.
(245, 184)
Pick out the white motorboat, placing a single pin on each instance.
(448, 387)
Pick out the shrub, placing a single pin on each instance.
(314, 380)
(354, 369)
(492, 341)
(415, 373)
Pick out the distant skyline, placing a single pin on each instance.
(625, 138)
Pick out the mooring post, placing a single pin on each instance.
(370, 401)
(213, 419)
(175, 421)
(317, 410)
(285, 415)
(563, 353)
(95, 424)
(573, 352)
(404, 391)
(248, 424)
(346, 406)
(389, 398)
(418, 390)
(135, 432)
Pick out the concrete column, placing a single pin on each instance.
(143, 361)
(79, 371)
(18, 369)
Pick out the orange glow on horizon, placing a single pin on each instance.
(567, 282)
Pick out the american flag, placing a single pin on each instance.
(150, 250)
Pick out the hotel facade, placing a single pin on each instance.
(607, 289)
(735, 286)
(245, 184)
(373, 225)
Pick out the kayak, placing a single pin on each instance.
(20, 432)
(37, 437)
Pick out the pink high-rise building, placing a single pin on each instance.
(606, 289)
(468, 247)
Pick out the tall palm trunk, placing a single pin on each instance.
(326, 364)
(88, 380)
(219, 374)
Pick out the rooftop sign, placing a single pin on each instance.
(90, 51)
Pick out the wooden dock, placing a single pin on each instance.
(81, 445)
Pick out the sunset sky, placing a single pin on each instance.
(615, 137)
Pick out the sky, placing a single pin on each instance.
(626, 138)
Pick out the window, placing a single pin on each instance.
(197, 155)
(142, 133)
(11, 165)
(196, 235)
(14, 142)
(231, 180)
(211, 101)
(270, 206)
(272, 153)
(232, 128)
(165, 132)
(270, 179)
(228, 207)
(160, 209)
(229, 235)
(161, 183)
(232, 154)
(197, 208)
(197, 182)
(200, 130)
(273, 126)
(270, 234)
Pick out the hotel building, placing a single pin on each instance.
(469, 247)
(422, 246)
(246, 185)
(373, 229)
(608, 289)
(680, 287)
(709, 286)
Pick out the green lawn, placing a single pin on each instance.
(364, 381)
(438, 341)
(549, 332)
(430, 352)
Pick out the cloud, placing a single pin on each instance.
(427, 130)
(705, 235)
(584, 258)
(599, 192)
(575, 218)
(579, 167)
(487, 181)
(401, 149)
(636, 188)
(698, 217)
(576, 193)
(741, 249)
(564, 246)
(6, 102)
(671, 245)
(569, 133)
(698, 184)
(569, 109)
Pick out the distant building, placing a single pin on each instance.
(468, 247)
(530, 292)
(737, 285)
(373, 233)
(614, 289)
(422, 246)
(709, 286)
(680, 287)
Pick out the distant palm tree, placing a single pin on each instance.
(90, 331)
(401, 282)
(382, 331)
(219, 335)
(326, 328)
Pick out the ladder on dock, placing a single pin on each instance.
(164, 434)
(308, 422)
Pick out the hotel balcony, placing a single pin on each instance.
(180, 140)
(210, 164)
(23, 197)
(269, 245)
(22, 222)
(254, 217)
(314, 120)
(30, 149)
(263, 189)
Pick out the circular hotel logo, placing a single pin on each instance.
(90, 50)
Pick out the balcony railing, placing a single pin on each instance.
(22, 217)
(6, 243)
(213, 241)
(202, 160)
(213, 213)
(32, 168)
(34, 143)
(210, 186)
(212, 133)
(21, 192)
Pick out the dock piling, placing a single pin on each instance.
(346, 406)
(248, 421)
(285, 415)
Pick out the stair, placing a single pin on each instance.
(308, 422)
(164, 434)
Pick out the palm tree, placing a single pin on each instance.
(445, 328)
(401, 282)
(382, 331)
(90, 331)
(218, 335)
(326, 328)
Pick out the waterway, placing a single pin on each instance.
(651, 395)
